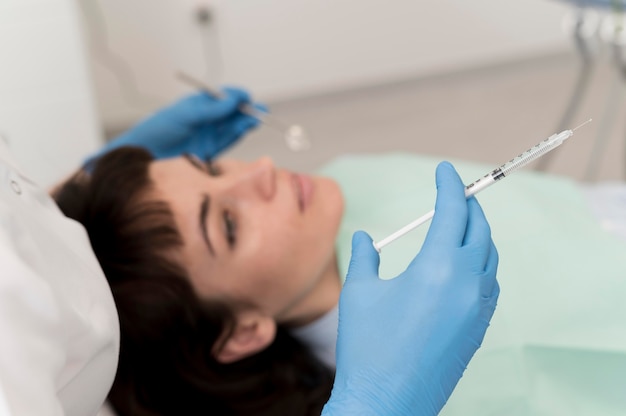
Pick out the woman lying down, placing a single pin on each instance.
(227, 274)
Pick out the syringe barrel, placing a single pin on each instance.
(535, 152)
(482, 183)
(489, 179)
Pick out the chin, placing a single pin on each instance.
(331, 195)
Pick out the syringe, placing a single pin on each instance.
(492, 177)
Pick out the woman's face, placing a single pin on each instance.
(253, 233)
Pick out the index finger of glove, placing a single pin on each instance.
(202, 108)
(451, 212)
(251, 112)
(237, 95)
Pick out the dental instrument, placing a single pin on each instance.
(295, 136)
(490, 178)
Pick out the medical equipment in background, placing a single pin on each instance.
(492, 177)
(295, 136)
(591, 24)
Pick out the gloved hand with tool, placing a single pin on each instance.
(404, 343)
(199, 124)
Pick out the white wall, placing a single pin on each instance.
(283, 49)
(47, 107)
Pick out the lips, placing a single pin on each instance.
(304, 190)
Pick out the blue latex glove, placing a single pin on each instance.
(198, 124)
(404, 343)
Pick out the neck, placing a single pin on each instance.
(318, 301)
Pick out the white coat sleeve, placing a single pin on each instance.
(59, 334)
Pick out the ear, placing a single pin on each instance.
(253, 332)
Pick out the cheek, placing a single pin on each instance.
(293, 246)
(304, 244)
(278, 270)
(274, 255)
(281, 228)
(284, 253)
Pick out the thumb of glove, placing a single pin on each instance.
(365, 260)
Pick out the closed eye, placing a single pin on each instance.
(230, 228)
(207, 166)
(212, 168)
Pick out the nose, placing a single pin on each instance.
(257, 179)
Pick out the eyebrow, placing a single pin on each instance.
(204, 207)
(204, 215)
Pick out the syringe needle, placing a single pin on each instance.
(580, 125)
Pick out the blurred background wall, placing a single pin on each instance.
(47, 99)
(287, 49)
(478, 80)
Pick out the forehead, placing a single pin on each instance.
(180, 185)
(170, 170)
(178, 178)
(165, 168)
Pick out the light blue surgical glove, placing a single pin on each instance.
(404, 343)
(198, 124)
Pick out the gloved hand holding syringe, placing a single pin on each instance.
(492, 177)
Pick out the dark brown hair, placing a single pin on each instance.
(166, 365)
